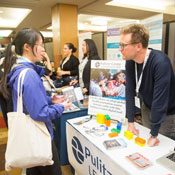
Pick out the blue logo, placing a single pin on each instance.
(77, 150)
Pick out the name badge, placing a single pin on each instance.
(80, 75)
(137, 102)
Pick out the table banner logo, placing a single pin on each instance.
(77, 150)
(96, 164)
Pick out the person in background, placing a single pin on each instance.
(150, 76)
(90, 53)
(68, 69)
(26, 49)
(2, 54)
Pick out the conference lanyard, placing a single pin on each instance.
(138, 82)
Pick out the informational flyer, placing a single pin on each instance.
(107, 89)
(73, 95)
(154, 25)
(113, 39)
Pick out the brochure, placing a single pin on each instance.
(73, 95)
(138, 160)
(114, 143)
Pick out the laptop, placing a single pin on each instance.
(168, 161)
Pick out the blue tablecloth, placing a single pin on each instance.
(60, 133)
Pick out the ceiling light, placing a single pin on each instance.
(98, 28)
(1, 11)
(47, 34)
(159, 5)
(81, 26)
(5, 33)
(130, 20)
(86, 27)
(12, 17)
(101, 21)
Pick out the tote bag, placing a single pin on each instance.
(29, 142)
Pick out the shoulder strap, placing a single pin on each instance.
(19, 87)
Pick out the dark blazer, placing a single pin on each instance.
(87, 73)
(72, 66)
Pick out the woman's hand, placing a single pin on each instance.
(44, 54)
(73, 82)
(66, 104)
(85, 90)
(46, 59)
(47, 62)
(58, 99)
(60, 73)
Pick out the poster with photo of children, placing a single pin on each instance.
(107, 88)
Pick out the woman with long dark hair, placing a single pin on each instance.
(26, 49)
(90, 53)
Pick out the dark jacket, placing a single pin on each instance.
(72, 66)
(157, 88)
(87, 73)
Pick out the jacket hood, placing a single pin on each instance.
(19, 67)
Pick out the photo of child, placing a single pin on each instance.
(107, 83)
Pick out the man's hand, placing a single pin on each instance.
(132, 129)
(153, 141)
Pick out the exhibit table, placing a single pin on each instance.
(88, 156)
(60, 132)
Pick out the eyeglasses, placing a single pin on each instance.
(122, 45)
(42, 45)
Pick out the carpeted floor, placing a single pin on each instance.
(66, 170)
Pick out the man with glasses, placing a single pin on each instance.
(149, 77)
